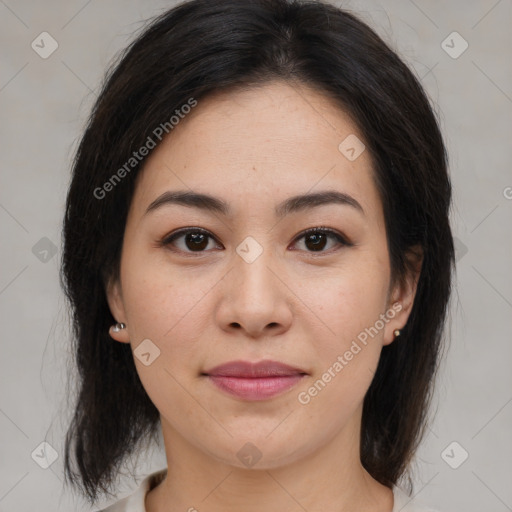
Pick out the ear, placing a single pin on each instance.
(401, 298)
(116, 305)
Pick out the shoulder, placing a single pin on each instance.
(404, 503)
(135, 501)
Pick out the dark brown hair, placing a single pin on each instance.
(202, 46)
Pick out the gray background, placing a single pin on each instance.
(44, 104)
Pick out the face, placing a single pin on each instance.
(202, 286)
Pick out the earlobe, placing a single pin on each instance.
(394, 326)
(403, 295)
(118, 331)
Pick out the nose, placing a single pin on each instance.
(255, 298)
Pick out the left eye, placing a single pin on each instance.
(196, 239)
(315, 238)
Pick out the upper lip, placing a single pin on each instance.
(247, 369)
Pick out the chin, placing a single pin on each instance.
(261, 452)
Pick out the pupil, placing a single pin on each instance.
(196, 241)
(317, 243)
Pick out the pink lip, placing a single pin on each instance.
(255, 381)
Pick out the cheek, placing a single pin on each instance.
(161, 304)
(349, 302)
(168, 309)
(348, 350)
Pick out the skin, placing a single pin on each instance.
(255, 148)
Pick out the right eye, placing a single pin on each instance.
(194, 239)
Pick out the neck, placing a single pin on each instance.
(330, 478)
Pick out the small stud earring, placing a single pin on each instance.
(118, 327)
(396, 332)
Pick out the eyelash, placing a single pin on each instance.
(167, 241)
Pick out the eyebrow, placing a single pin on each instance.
(293, 204)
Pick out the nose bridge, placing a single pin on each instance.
(253, 262)
(254, 299)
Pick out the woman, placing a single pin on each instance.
(258, 256)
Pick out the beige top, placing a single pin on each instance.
(135, 502)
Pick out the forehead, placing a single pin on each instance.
(271, 141)
(277, 115)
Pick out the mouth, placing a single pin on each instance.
(254, 381)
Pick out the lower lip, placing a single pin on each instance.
(255, 388)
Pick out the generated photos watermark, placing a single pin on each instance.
(137, 156)
(304, 397)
